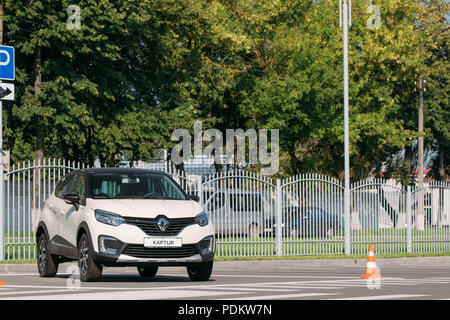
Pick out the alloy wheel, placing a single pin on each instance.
(42, 254)
(84, 255)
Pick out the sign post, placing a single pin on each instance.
(6, 93)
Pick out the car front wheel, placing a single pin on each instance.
(89, 269)
(47, 263)
(201, 272)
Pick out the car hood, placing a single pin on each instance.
(147, 208)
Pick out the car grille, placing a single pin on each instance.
(149, 226)
(139, 251)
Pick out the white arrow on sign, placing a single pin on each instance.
(6, 91)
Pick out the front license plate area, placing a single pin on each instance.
(162, 242)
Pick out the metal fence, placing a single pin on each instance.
(255, 215)
(26, 188)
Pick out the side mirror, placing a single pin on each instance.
(72, 199)
(195, 198)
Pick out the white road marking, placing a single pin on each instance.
(283, 296)
(233, 287)
(291, 286)
(19, 274)
(384, 297)
(16, 292)
(130, 295)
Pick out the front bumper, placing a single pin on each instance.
(138, 255)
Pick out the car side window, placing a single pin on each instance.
(78, 186)
(218, 200)
(63, 186)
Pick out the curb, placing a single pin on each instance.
(323, 263)
(278, 264)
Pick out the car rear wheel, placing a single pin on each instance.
(147, 272)
(89, 269)
(47, 263)
(200, 273)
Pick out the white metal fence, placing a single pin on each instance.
(255, 215)
(26, 188)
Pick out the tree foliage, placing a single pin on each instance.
(138, 69)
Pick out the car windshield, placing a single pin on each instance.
(134, 186)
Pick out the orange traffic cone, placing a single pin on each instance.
(2, 283)
(371, 269)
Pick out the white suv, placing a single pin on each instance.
(123, 217)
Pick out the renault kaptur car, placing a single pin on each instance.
(123, 217)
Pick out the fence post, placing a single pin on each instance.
(2, 206)
(408, 221)
(278, 220)
(200, 190)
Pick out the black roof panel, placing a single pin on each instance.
(121, 170)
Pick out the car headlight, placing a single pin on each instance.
(202, 219)
(108, 218)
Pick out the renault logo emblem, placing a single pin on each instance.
(162, 224)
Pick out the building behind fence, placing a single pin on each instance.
(255, 215)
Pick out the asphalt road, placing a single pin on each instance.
(335, 282)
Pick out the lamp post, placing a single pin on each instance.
(345, 20)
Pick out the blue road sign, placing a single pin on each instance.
(6, 63)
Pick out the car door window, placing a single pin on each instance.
(63, 186)
(240, 202)
(78, 186)
(218, 201)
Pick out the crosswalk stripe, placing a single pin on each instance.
(16, 292)
(384, 297)
(283, 296)
(249, 289)
(131, 295)
(293, 287)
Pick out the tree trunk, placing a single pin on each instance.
(40, 136)
(408, 168)
(442, 175)
(295, 163)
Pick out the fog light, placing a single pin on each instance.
(207, 245)
(108, 245)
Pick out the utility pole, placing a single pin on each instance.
(345, 20)
(2, 222)
(420, 213)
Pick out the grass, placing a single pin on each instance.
(304, 257)
(389, 243)
(333, 256)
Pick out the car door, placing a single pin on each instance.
(215, 207)
(72, 216)
(55, 204)
(59, 208)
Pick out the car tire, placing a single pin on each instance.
(47, 262)
(200, 273)
(89, 269)
(147, 272)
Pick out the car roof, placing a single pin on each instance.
(121, 170)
